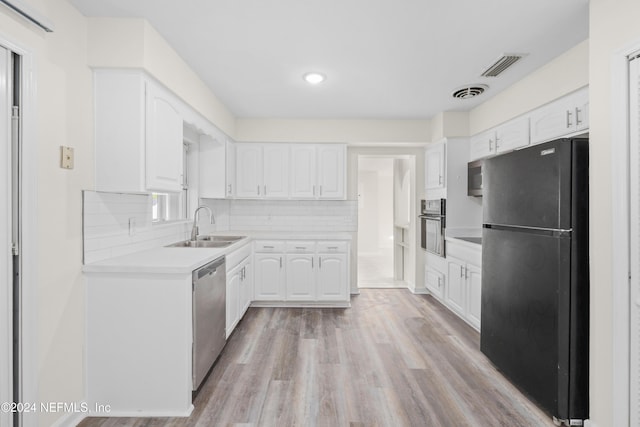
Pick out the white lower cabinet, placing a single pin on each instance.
(332, 283)
(232, 299)
(297, 271)
(463, 290)
(269, 277)
(239, 289)
(301, 277)
(434, 282)
(474, 294)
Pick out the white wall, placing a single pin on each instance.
(351, 131)
(566, 73)
(375, 204)
(613, 26)
(134, 43)
(63, 104)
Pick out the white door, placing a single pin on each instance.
(303, 171)
(331, 171)
(482, 145)
(434, 167)
(634, 243)
(247, 287)
(301, 278)
(276, 171)
(269, 277)
(164, 150)
(232, 299)
(455, 286)
(248, 170)
(474, 294)
(512, 135)
(332, 277)
(6, 274)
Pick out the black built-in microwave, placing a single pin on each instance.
(474, 178)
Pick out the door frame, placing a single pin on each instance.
(29, 232)
(620, 261)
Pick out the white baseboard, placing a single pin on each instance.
(589, 423)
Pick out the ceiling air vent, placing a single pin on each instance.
(470, 91)
(501, 64)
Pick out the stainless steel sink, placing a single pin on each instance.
(207, 242)
(200, 244)
(220, 238)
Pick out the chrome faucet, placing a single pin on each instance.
(194, 230)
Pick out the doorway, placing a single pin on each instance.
(10, 234)
(385, 190)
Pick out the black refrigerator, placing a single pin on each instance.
(535, 273)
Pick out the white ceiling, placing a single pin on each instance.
(383, 58)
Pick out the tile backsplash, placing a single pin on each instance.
(116, 224)
(282, 215)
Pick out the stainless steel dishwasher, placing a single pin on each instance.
(209, 317)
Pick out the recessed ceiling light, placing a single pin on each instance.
(314, 78)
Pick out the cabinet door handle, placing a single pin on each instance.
(311, 262)
(314, 190)
(229, 186)
(466, 273)
(569, 114)
(497, 143)
(321, 190)
(319, 262)
(440, 180)
(578, 121)
(258, 189)
(461, 272)
(280, 262)
(490, 144)
(265, 190)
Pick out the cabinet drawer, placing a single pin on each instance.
(269, 246)
(300, 246)
(332, 247)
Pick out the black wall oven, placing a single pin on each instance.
(432, 225)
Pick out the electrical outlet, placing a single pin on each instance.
(66, 157)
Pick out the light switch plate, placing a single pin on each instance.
(66, 157)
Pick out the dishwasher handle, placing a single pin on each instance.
(208, 269)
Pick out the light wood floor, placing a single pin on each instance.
(393, 359)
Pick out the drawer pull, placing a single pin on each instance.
(268, 247)
(301, 247)
(335, 248)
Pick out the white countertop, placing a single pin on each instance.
(162, 260)
(184, 260)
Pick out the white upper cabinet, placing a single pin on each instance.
(507, 137)
(331, 171)
(262, 171)
(275, 170)
(482, 145)
(435, 166)
(296, 171)
(303, 171)
(138, 134)
(164, 152)
(565, 116)
(512, 135)
(318, 171)
(212, 166)
(249, 171)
